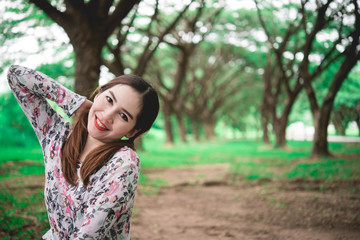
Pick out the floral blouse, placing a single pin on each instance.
(103, 209)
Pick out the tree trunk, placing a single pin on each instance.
(358, 123)
(340, 130)
(280, 124)
(168, 126)
(209, 129)
(338, 123)
(280, 132)
(264, 124)
(267, 98)
(87, 68)
(181, 127)
(357, 119)
(320, 144)
(196, 131)
(88, 25)
(322, 117)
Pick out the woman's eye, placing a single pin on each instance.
(109, 99)
(123, 116)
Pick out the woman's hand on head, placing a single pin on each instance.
(84, 108)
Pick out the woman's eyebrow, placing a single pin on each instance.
(113, 95)
(127, 112)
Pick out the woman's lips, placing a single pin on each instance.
(99, 125)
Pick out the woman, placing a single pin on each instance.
(91, 171)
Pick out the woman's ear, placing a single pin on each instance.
(132, 133)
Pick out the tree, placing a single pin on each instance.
(88, 25)
(281, 84)
(22, 37)
(216, 85)
(347, 103)
(185, 38)
(240, 29)
(304, 56)
(342, 116)
(124, 53)
(335, 16)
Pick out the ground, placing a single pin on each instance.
(206, 202)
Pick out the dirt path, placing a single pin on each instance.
(202, 202)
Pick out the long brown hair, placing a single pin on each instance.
(75, 144)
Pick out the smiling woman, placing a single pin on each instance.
(112, 114)
(91, 172)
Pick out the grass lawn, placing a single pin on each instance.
(23, 214)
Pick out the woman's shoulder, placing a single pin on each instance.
(125, 162)
(126, 155)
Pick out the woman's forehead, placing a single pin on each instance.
(121, 90)
(126, 97)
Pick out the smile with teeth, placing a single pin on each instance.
(99, 125)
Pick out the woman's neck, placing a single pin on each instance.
(90, 145)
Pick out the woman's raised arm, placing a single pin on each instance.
(32, 89)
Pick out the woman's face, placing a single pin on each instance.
(113, 114)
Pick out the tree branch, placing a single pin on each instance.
(51, 11)
(121, 11)
(148, 53)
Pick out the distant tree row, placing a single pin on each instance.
(212, 62)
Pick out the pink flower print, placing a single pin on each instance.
(127, 228)
(36, 112)
(23, 90)
(68, 203)
(57, 172)
(117, 213)
(53, 150)
(31, 98)
(87, 222)
(68, 210)
(44, 88)
(125, 183)
(132, 155)
(122, 149)
(60, 95)
(123, 208)
(114, 186)
(53, 223)
(46, 126)
(114, 199)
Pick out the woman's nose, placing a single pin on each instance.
(108, 115)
